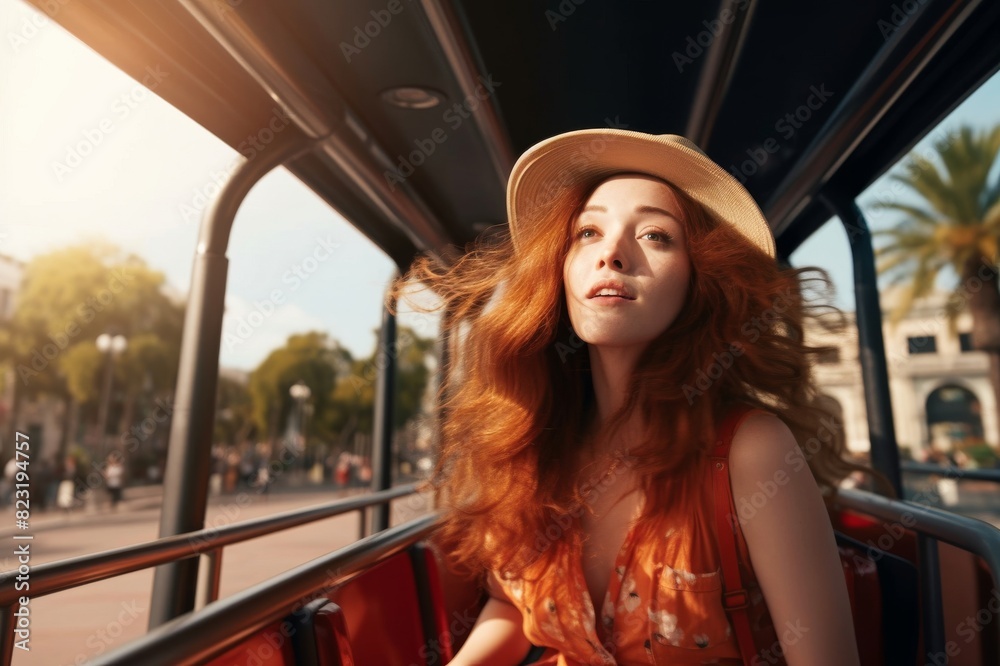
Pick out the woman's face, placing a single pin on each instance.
(627, 271)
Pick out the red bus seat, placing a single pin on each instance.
(886, 605)
(394, 612)
(270, 646)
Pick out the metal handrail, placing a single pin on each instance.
(194, 638)
(65, 574)
(951, 472)
(969, 534)
(931, 525)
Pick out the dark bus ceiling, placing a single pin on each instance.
(878, 74)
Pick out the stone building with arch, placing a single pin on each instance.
(940, 388)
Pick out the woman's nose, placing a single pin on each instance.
(613, 255)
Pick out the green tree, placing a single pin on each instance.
(234, 422)
(69, 297)
(955, 224)
(354, 396)
(311, 358)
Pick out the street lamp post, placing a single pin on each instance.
(300, 392)
(110, 346)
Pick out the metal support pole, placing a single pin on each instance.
(385, 401)
(189, 456)
(932, 600)
(871, 345)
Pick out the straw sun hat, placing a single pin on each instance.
(556, 173)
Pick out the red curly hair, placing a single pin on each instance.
(518, 391)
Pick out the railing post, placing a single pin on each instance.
(871, 345)
(362, 522)
(932, 601)
(213, 575)
(385, 399)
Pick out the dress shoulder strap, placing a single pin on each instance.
(736, 597)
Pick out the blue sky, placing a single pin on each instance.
(146, 161)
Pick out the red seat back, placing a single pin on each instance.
(865, 593)
(382, 613)
(880, 569)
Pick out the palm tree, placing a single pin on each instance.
(956, 225)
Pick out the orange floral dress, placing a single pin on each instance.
(663, 604)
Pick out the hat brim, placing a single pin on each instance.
(555, 173)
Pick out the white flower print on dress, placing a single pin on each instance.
(515, 588)
(667, 630)
(548, 620)
(628, 596)
(608, 612)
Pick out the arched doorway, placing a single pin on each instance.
(954, 417)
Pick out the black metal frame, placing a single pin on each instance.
(871, 345)
(185, 483)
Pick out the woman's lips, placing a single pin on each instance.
(611, 289)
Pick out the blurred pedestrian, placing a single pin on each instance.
(66, 494)
(114, 479)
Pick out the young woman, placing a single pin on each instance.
(634, 312)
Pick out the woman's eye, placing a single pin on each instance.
(586, 232)
(658, 236)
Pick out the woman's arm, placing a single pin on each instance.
(792, 545)
(497, 638)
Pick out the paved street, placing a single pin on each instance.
(74, 626)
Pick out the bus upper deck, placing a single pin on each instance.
(405, 116)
